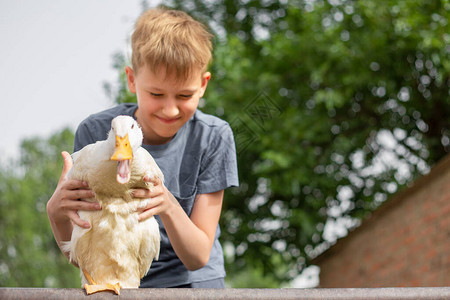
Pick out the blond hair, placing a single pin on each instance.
(171, 39)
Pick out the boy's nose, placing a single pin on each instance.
(170, 108)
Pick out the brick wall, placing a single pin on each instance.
(405, 243)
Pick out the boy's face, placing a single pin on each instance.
(164, 104)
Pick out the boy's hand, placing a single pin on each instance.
(65, 201)
(161, 200)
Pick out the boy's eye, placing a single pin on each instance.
(155, 94)
(185, 96)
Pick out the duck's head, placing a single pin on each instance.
(128, 138)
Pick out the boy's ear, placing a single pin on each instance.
(130, 79)
(205, 79)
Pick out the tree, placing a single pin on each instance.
(335, 105)
(29, 255)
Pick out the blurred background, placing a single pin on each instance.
(335, 105)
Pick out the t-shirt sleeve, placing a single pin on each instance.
(218, 169)
(83, 137)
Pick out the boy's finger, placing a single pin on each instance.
(78, 221)
(140, 193)
(146, 214)
(146, 193)
(81, 194)
(155, 180)
(67, 164)
(76, 205)
(74, 184)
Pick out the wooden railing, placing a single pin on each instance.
(154, 294)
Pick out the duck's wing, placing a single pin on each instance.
(87, 159)
(145, 165)
(77, 233)
(150, 245)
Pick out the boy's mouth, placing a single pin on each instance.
(168, 121)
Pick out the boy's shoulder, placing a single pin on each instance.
(206, 120)
(110, 113)
(207, 129)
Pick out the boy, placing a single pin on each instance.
(195, 151)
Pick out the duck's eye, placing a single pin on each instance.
(132, 126)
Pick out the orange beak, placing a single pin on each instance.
(123, 149)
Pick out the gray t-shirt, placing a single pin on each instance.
(200, 159)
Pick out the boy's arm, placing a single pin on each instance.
(191, 237)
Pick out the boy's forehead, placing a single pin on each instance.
(168, 76)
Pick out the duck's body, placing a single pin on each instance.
(117, 248)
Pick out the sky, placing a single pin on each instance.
(54, 58)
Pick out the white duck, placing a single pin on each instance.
(117, 250)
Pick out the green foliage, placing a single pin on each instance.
(29, 255)
(252, 278)
(119, 92)
(319, 93)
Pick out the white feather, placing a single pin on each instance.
(117, 248)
